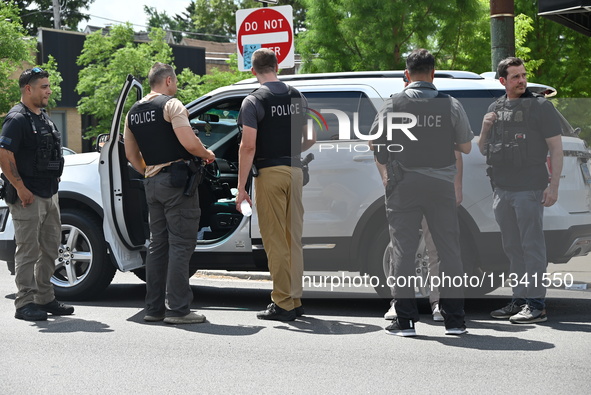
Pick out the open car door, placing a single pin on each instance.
(124, 203)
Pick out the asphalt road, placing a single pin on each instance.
(340, 346)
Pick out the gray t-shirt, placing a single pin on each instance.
(459, 120)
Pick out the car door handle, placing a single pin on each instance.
(363, 158)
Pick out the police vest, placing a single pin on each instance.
(513, 141)
(279, 134)
(154, 135)
(435, 134)
(47, 161)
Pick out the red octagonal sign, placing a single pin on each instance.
(268, 27)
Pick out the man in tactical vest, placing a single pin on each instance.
(160, 144)
(32, 162)
(421, 183)
(517, 133)
(273, 137)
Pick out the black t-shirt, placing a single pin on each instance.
(18, 137)
(543, 123)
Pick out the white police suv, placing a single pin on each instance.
(104, 213)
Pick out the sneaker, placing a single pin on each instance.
(406, 329)
(56, 308)
(276, 313)
(153, 318)
(437, 313)
(30, 312)
(527, 315)
(191, 318)
(390, 314)
(299, 311)
(507, 311)
(456, 331)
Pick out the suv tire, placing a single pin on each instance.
(83, 268)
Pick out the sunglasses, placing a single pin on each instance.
(34, 71)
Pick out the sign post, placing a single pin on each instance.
(267, 27)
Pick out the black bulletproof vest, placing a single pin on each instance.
(47, 161)
(435, 135)
(515, 124)
(279, 134)
(155, 136)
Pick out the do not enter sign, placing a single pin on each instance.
(267, 27)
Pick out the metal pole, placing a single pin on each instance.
(502, 30)
(56, 15)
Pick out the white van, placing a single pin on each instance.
(104, 214)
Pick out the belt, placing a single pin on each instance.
(294, 161)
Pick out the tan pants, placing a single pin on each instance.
(278, 200)
(37, 231)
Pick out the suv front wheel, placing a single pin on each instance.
(83, 268)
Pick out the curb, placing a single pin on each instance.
(262, 276)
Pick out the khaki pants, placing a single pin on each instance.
(37, 231)
(278, 200)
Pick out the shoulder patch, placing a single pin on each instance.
(5, 141)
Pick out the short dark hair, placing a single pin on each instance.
(159, 72)
(31, 75)
(264, 61)
(420, 61)
(503, 67)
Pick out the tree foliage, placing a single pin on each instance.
(55, 79)
(557, 56)
(39, 13)
(180, 24)
(16, 52)
(217, 18)
(348, 35)
(106, 61)
(562, 53)
(192, 86)
(15, 49)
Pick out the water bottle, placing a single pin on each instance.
(245, 208)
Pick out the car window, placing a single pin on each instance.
(476, 103)
(350, 102)
(217, 121)
(67, 151)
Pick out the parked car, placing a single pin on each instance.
(104, 214)
(68, 151)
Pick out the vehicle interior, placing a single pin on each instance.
(216, 126)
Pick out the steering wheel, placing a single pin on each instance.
(212, 171)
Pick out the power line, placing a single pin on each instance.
(167, 30)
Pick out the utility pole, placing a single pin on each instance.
(57, 24)
(502, 30)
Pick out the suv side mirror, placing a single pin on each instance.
(101, 140)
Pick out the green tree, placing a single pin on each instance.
(561, 52)
(106, 61)
(557, 56)
(180, 24)
(463, 41)
(217, 18)
(346, 35)
(55, 79)
(39, 13)
(192, 86)
(16, 53)
(15, 50)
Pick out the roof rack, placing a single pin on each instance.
(369, 74)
